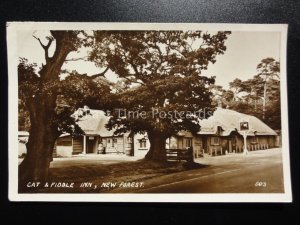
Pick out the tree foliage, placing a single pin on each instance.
(268, 69)
(50, 101)
(162, 73)
(248, 96)
(72, 92)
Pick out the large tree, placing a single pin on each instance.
(51, 100)
(259, 95)
(268, 69)
(236, 86)
(163, 72)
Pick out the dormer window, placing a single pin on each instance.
(215, 141)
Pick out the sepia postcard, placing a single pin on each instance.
(148, 112)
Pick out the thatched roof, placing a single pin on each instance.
(93, 122)
(229, 121)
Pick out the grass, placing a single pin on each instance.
(102, 177)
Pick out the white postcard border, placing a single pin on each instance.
(13, 27)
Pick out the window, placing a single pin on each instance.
(142, 143)
(188, 142)
(215, 141)
(129, 139)
(114, 141)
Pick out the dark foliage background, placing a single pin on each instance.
(197, 11)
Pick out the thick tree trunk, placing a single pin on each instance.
(44, 129)
(43, 134)
(157, 151)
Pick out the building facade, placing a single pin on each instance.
(219, 134)
(222, 133)
(97, 139)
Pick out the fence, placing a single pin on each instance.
(180, 154)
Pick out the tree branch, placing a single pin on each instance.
(133, 81)
(77, 59)
(99, 74)
(39, 41)
(45, 47)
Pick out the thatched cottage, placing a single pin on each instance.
(222, 133)
(97, 139)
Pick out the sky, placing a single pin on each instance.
(244, 52)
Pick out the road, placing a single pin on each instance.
(257, 172)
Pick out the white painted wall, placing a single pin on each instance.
(138, 151)
(64, 151)
(21, 149)
(116, 147)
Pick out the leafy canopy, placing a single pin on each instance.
(161, 71)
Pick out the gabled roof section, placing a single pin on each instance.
(229, 121)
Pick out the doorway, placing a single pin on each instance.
(187, 143)
(91, 144)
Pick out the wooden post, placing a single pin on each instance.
(84, 145)
(72, 145)
(97, 143)
(245, 143)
